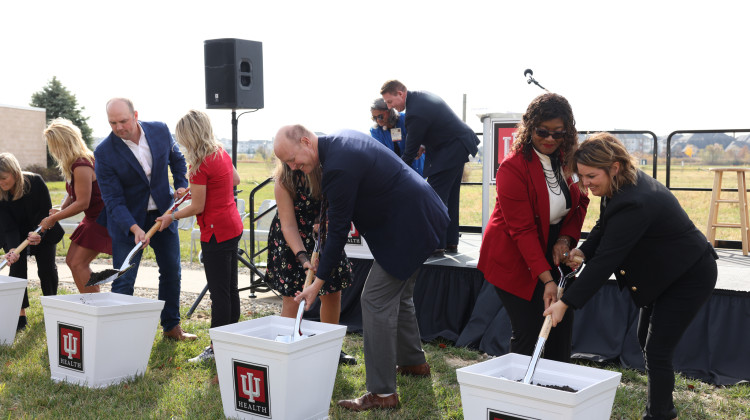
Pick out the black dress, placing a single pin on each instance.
(284, 272)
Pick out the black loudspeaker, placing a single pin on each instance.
(234, 73)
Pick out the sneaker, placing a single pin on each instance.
(206, 355)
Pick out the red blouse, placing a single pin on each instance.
(220, 216)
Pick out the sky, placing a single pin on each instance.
(641, 65)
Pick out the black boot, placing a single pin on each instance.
(345, 359)
(21, 323)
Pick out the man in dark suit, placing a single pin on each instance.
(434, 128)
(401, 218)
(132, 170)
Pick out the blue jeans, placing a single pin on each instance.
(166, 246)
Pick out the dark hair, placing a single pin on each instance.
(380, 105)
(392, 86)
(544, 108)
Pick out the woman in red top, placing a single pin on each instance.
(536, 222)
(212, 177)
(76, 162)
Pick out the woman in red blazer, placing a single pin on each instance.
(536, 221)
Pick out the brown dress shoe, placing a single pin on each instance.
(178, 334)
(414, 370)
(370, 401)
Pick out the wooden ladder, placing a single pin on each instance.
(713, 212)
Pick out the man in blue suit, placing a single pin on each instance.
(132, 171)
(447, 142)
(401, 217)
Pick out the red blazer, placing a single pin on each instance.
(513, 249)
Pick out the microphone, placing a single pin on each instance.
(527, 72)
(530, 78)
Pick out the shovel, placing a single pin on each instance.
(20, 248)
(544, 333)
(297, 332)
(111, 274)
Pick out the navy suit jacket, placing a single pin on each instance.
(124, 186)
(398, 213)
(448, 141)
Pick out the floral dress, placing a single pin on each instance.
(284, 272)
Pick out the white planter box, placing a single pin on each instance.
(11, 297)
(492, 390)
(99, 339)
(261, 378)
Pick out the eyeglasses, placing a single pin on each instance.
(544, 133)
(378, 117)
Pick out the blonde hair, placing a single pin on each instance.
(601, 151)
(9, 164)
(285, 175)
(66, 145)
(195, 133)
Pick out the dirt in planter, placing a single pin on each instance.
(559, 387)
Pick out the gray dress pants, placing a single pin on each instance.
(390, 330)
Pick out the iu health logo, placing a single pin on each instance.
(70, 347)
(251, 388)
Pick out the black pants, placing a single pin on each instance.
(526, 316)
(44, 253)
(662, 324)
(447, 185)
(526, 320)
(220, 264)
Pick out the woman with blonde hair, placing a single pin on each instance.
(212, 178)
(76, 162)
(646, 239)
(291, 242)
(24, 203)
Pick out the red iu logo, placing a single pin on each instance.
(70, 346)
(354, 236)
(251, 388)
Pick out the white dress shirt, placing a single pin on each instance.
(142, 153)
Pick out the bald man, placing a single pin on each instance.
(401, 218)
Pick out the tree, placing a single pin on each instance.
(60, 103)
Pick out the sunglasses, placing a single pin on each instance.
(377, 117)
(544, 133)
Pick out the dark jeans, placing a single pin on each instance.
(662, 324)
(166, 246)
(44, 253)
(447, 185)
(220, 264)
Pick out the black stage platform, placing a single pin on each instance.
(454, 302)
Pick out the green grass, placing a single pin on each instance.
(173, 388)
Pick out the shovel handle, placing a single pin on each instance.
(310, 272)
(546, 327)
(155, 228)
(20, 247)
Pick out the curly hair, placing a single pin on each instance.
(544, 108)
(601, 151)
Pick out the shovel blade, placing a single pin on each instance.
(113, 275)
(534, 359)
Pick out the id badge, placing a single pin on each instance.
(395, 134)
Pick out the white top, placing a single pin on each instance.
(142, 153)
(557, 204)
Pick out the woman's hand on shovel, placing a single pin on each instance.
(11, 256)
(557, 310)
(309, 293)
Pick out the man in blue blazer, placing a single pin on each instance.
(132, 171)
(401, 217)
(447, 142)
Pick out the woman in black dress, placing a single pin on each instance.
(291, 242)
